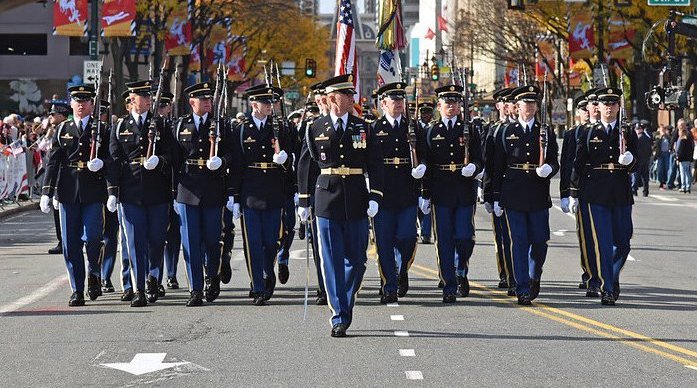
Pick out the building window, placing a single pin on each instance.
(79, 46)
(23, 44)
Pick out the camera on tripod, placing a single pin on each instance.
(672, 97)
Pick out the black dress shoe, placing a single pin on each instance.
(107, 287)
(94, 287)
(321, 299)
(127, 295)
(607, 299)
(403, 284)
(225, 271)
(616, 291)
(195, 299)
(441, 284)
(503, 283)
(269, 286)
(212, 289)
(524, 300)
(511, 291)
(57, 250)
(463, 286)
(301, 231)
(534, 289)
(339, 330)
(76, 299)
(139, 300)
(260, 300)
(283, 273)
(160, 291)
(449, 298)
(172, 283)
(592, 292)
(151, 289)
(582, 285)
(389, 297)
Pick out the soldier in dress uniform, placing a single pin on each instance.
(502, 240)
(344, 149)
(75, 175)
(143, 151)
(520, 189)
(59, 112)
(453, 158)
(111, 221)
(601, 178)
(395, 224)
(205, 153)
(425, 116)
(568, 155)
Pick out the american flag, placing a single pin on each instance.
(346, 60)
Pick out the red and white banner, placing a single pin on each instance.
(70, 17)
(178, 40)
(581, 36)
(217, 50)
(118, 18)
(237, 64)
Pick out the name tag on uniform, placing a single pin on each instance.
(438, 137)
(185, 132)
(512, 137)
(596, 140)
(381, 133)
(249, 140)
(67, 136)
(125, 133)
(322, 137)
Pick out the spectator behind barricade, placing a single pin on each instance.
(640, 178)
(684, 148)
(661, 149)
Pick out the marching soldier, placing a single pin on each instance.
(567, 158)
(605, 156)
(523, 167)
(395, 224)
(454, 157)
(59, 113)
(344, 148)
(425, 116)
(202, 189)
(143, 152)
(502, 240)
(75, 175)
(259, 166)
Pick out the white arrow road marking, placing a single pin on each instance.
(414, 375)
(143, 363)
(407, 353)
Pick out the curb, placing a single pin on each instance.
(19, 209)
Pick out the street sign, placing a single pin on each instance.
(292, 95)
(90, 71)
(669, 3)
(288, 68)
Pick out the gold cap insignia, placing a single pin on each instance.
(350, 78)
(147, 84)
(81, 88)
(532, 89)
(452, 88)
(399, 86)
(609, 90)
(205, 85)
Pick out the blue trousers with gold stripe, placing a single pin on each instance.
(82, 225)
(343, 245)
(395, 237)
(586, 245)
(453, 228)
(261, 229)
(201, 228)
(145, 229)
(502, 247)
(529, 233)
(611, 231)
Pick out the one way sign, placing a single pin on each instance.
(90, 71)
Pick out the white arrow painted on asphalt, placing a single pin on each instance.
(143, 363)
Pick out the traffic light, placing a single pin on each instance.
(435, 72)
(310, 68)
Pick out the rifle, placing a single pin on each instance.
(525, 75)
(602, 69)
(274, 126)
(174, 112)
(412, 125)
(214, 133)
(543, 129)
(466, 117)
(109, 98)
(97, 127)
(152, 130)
(621, 118)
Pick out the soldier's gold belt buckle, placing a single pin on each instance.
(526, 166)
(396, 160)
(611, 166)
(453, 167)
(342, 171)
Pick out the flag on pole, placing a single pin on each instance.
(390, 39)
(178, 39)
(118, 18)
(346, 61)
(70, 17)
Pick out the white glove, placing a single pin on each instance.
(573, 205)
(425, 205)
(419, 171)
(372, 208)
(111, 203)
(280, 157)
(480, 194)
(488, 207)
(236, 212)
(230, 203)
(55, 203)
(303, 213)
(544, 170)
(565, 205)
(175, 207)
(151, 162)
(626, 158)
(95, 165)
(498, 210)
(214, 163)
(296, 199)
(45, 203)
(469, 170)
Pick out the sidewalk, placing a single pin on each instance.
(9, 209)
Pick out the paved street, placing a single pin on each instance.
(564, 339)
